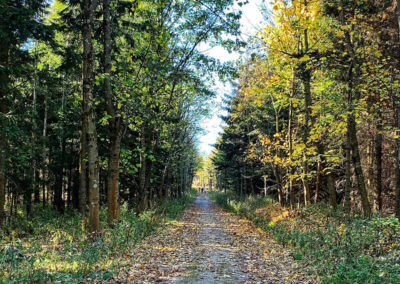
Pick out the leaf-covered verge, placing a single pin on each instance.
(340, 249)
(52, 247)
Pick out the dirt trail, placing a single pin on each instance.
(209, 245)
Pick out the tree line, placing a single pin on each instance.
(316, 114)
(100, 101)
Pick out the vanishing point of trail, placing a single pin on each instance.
(209, 245)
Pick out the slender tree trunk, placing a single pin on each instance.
(378, 163)
(115, 123)
(58, 198)
(357, 164)
(397, 165)
(44, 153)
(319, 172)
(35, 189)
(397, 168)
(142, 196)
(347, 197)
(290, 130)
(352, 80)
(70, 177)
(113, 177)
(332, 190)
(163, 178)
(58, 192)
(89, 115)
(4, 81)
(306, 77)
(82, 200)
(277, 168)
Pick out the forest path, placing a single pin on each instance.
(209, 245)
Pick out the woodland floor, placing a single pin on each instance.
(209, 245)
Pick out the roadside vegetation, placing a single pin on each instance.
(51, 247)
(338, 248)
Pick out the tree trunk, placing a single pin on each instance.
(4, 81)
(35, 189)
(82, 200)
(58, 198)
(378, 163)
(357, 164)
(115, 123)
(58, 193)
(113, 177)
(347, 198)
(306, 78)
(290, 130)
(332, 190)
(319, 172)
(44, 153)
(89, 115)
(397, 168)
(141, 205)
(352, 81)
(161, 191)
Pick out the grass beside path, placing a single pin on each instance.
(54, 248)
(339, 249)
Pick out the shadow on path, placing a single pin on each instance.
(211, 246)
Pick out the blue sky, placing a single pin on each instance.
(251, 23)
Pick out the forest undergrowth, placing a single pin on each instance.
(338, 248)
(50, 247)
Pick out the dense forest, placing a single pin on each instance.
(101, 101)
(102, 104)
(315, 116)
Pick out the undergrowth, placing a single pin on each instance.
(54, 248)
(337, 248)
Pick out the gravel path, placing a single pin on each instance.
(209, 245)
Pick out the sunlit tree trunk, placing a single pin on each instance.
(89, 115)
(290, 130)
(305, 75)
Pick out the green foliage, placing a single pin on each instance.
(339, 249)
(52, 247)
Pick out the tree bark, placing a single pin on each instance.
(332, 190)
(352, 81)
(44, 153)
(89, 115)
(351, 124)
(290, 130)
(347, 197)
(306, 78)
(115, 123)
(82, 199)
(58, 192)
(397, 168)
(378, 163)
(4, 81)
